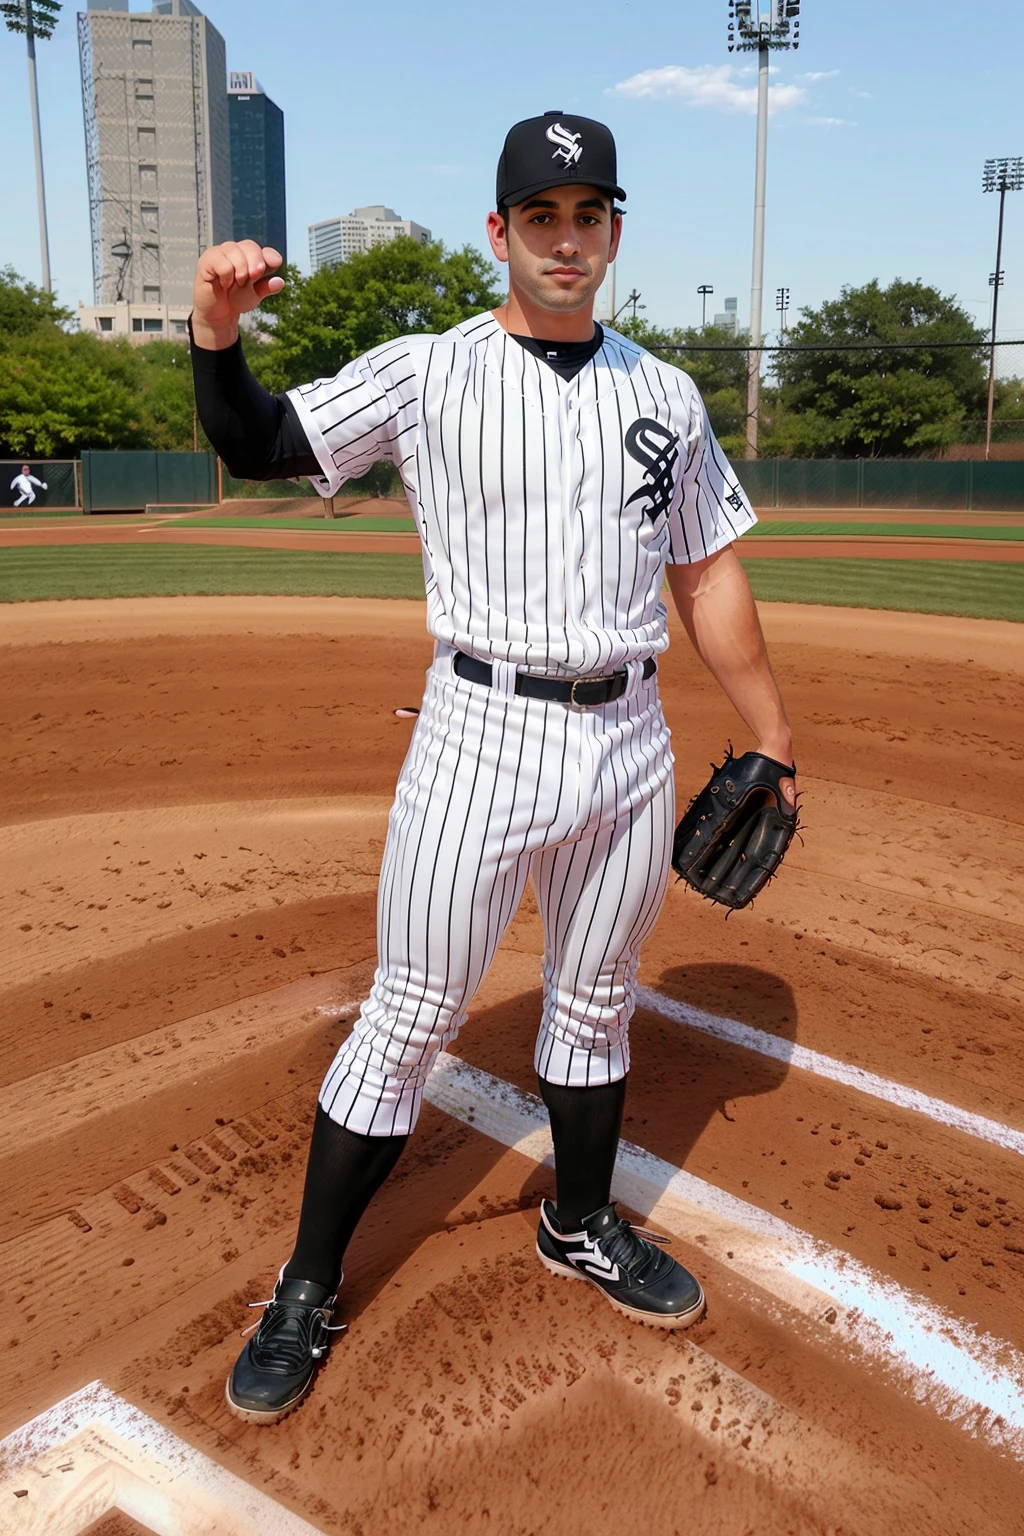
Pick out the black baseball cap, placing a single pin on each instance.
(553, 151)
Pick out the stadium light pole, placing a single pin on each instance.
(35, 18)
(704, 290)
(761, 26)
(1002, 176)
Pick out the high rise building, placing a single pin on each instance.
(728, 320)
(333, 240)
(257, 162)
(157, 147)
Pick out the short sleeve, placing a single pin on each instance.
(713, 509)
(367, 412)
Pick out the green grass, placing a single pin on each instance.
(810, 529)
(972, 589)
(15, 518)
(309, 524)
(978, 589)
(115, 570)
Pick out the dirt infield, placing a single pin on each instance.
(195, 796)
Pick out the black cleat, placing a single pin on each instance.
(276, 1368)
(635, 1275)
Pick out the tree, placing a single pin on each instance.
(396, 289)
(23, 307)
(863, 400)
(60, 394)
(721, 376)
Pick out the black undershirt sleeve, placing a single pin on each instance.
(257, 434)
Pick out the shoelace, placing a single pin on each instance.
(309, 1327)
(634, 1249)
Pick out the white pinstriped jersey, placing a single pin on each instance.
(547, 508)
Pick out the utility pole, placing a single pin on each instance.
(1002, 176)
(704, 290)
(782, 306)
(761, 25)
(35, 18)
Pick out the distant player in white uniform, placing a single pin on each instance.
(25, 484)
(555, 470)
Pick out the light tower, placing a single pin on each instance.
(782, 306)
(704, 290)
(761, 25)
(35, 18)
(1002, 176)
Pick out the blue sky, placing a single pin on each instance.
(882, 121)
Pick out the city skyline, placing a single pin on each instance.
(879, 130)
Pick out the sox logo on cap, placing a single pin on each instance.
(569, 148)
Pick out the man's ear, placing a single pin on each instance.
(616, 233)
(497, 234)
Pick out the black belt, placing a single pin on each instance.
(584, 692)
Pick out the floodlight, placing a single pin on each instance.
(1002, 174)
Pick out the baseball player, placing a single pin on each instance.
(555, 469)
(24, 484)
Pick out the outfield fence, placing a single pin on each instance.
(963, 485)
(129, 480)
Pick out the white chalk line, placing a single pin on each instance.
(765, 1044)
(967, 1376)
(156, 1477)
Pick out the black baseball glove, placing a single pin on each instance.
(736, 831)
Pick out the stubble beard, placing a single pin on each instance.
(563, 301)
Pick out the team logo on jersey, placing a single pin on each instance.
(569, 147)
(735, 501)
(657, 449)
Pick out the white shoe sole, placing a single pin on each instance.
(266, 1415)
(648, 1319)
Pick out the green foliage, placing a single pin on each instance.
(38, 17)
(870, 402)
(60, 393)
(397, 289)
(23, 306)
(721, 377)
(166, 397)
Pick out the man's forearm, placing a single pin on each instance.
(717, 608)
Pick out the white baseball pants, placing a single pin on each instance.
(495, 788)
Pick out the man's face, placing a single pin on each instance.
(24, 469)
(558, 245)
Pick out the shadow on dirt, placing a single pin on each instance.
(681, 1079)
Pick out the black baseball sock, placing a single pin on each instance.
(585, 1125)
(344, 1172)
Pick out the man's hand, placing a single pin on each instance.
(231, 279)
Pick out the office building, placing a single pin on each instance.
(257, 162)
(727, 320)
(334, 240)
(139, 322)
(157, 149)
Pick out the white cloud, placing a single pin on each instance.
(708, 85)
(830, 122)
(819, 74)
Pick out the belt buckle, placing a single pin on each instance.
(577, 682)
